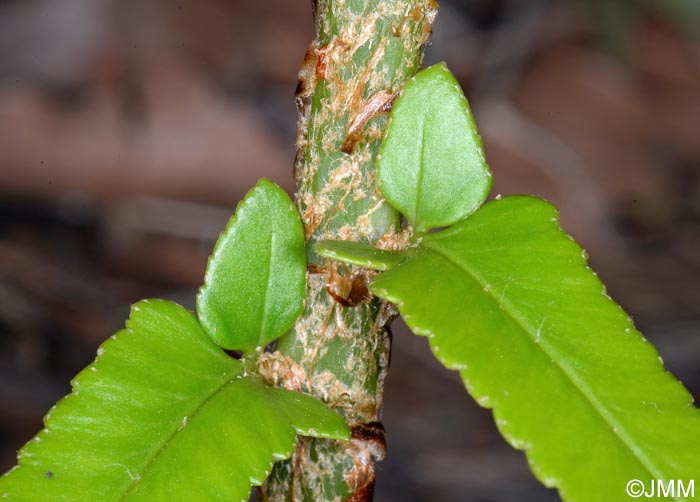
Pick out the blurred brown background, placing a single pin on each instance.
(130, 128)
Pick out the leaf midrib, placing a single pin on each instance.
(191, 415)
(420, 175)
(505, 306)
(268, 279)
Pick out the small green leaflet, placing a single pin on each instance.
(506, 298)
(255, 282)
(431, 164)
(164, 414)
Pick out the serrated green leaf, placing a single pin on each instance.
(163, 414)
(256, 278)
(431, 164)
(506, 298)
(358, 253)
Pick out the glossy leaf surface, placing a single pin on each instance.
(506, 298)
(163, 414)
(431, 165)
(255, 282)
(358, 253)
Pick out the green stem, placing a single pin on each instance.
(364, 52)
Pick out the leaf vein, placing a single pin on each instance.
(505, 306)
(176, 429)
